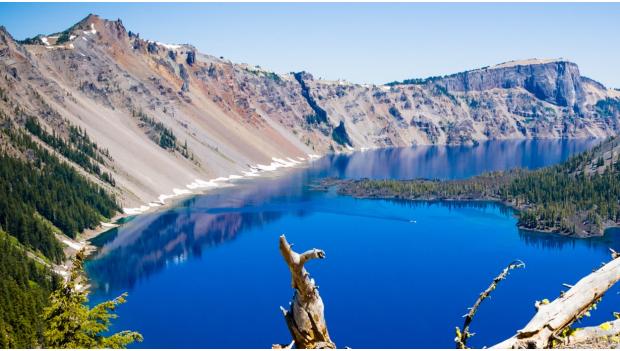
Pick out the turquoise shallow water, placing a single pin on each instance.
(207, 273)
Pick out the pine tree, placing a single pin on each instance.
(70, 323)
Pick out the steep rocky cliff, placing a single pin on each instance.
(170, 120)
(554, 81)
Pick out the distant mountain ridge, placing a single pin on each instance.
(172, 119)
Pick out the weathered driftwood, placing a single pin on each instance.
(463, 335)
(552, 319)
(305, 319)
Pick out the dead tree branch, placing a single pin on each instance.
(462, 336)
(305, 320)
(552, 319)
(605, 332)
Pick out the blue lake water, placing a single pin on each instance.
(207, 273)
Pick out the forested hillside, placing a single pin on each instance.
(41, 197)
(578, 197)
(25, 286)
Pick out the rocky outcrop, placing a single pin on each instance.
(5, 37)
(172, 55)
(185, 77)
(339, 134)
(319, 116)
(557, 82)
(152, 48)
(191, 58)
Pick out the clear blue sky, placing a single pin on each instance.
(363, 43)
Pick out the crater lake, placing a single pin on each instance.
(207, 273)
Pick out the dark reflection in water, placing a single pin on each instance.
(504, 210)
(200, 254)
(148, 246)
(152, 242)
(611, 240)
(449, 162)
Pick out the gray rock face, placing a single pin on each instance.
(185, 77)
(191, 58)
(152, 48)
(172, 55)
(138, 45)
(557, 82)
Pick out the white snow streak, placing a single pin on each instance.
(254, 171)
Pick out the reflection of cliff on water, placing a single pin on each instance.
(457, 204)
(149, 242)
(548, 241)
(171, 237)
(449, 162)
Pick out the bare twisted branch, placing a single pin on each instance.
(462, 336)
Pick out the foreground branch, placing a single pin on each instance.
(305, 320)
(462, 336)
(552, 319)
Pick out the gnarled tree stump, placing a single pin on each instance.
(305, 319)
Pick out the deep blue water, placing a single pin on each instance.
(207, 273)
